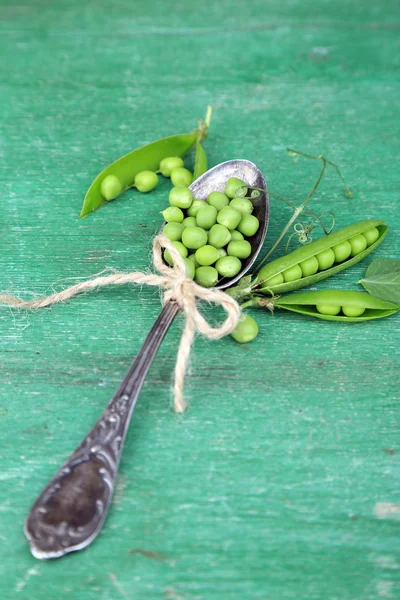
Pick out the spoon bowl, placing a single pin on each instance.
(214, 180)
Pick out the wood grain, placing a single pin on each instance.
(281, 480)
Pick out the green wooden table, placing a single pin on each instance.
(282, 479)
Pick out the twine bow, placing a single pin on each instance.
(179, 288)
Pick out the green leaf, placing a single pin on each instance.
(382, 279)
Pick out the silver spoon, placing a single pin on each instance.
(71, 509)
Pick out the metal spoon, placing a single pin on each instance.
(71, 509)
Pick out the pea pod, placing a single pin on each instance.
(145, 158)
(321, 259)
(200, 161)
(332, 305)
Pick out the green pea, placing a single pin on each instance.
(181, 197)
(371, 235)
(173, 231)
(292, 273)
(275, 280)
(328, 309)
(183, 251)
(228, 266)
(194, 237)
(240, 249)
(246, 330)
(309, 266)
(181, 177)
(232, 185)
(243, 205)
(206, 255)
(229, 217)
(353, 311)
(173, 214)
(358, 244)
(190, 268)
(219, 236)
(206, 217)
(218, 200)
(248, 225)
(325, 259)
(206, 276)
(110, 187)
(168, 164)
(145, 181)
(189, 222)
(221, 252)
(196, 205)
(192, 257)
(342, 251)
(236, 236)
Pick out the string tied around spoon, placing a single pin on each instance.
(178, 288)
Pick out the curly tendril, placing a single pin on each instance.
(303, 231)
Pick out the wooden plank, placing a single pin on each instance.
(281, 480)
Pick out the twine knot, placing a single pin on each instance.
(178, 288)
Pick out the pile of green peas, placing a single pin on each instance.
(145, 181)
(210, 234)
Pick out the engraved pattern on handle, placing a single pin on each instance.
(71, 509)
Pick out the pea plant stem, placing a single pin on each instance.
(250, 303)
(204, 125)
(256, 301)
(296, 211)
(207, 120)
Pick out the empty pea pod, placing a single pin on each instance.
(337, 305)
(320, 259)
(145, 158)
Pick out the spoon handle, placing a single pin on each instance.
(71, 509)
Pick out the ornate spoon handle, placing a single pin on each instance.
(71, 509)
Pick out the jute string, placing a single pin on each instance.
(178, 288)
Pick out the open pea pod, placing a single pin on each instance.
(145, 158)
(304, 266)
(200, 161)
(337, 305)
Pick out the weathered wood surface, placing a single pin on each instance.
(282, 479)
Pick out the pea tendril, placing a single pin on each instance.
(291, 152)
(247, 289)
(303, 231)
(298, 210)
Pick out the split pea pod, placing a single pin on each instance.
(321, 259)
(337, 305)
(145, 158)
(200, 160)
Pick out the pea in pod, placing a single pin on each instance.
(145, 158)
(337, 305)
(321, 259)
